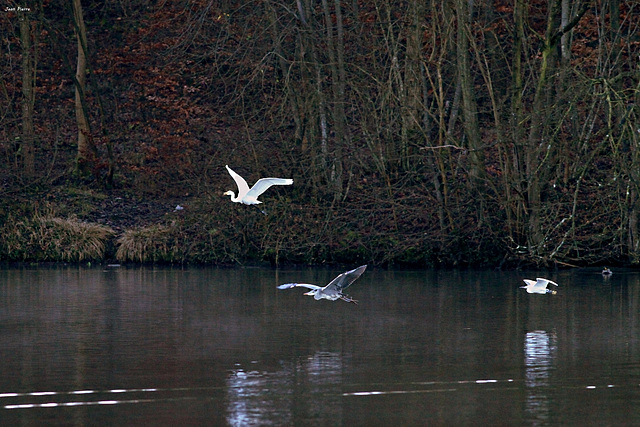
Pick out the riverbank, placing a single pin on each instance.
(75, 225)
(69, 224)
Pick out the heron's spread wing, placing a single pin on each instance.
(264, 183)
(296, 285)
(529, 282)
(243, 187)
(345, 279)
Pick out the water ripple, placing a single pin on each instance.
(61, 394)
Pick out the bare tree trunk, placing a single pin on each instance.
(614, 16)
(633, 238)
(515, 214)
(295, 100)
(28, 95)
(86, 150)
(336, 66)
(469, 105)
(441, 28)
(341, 100)
(565, 40)
(535, 173)
(312, 98)
(538, 150)
(411, 97)
(633, 198)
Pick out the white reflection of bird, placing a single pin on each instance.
(333, 290)
(539, 286)
(250, 196)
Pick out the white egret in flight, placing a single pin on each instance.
(539, 286)
(250, 196)
(333, 290)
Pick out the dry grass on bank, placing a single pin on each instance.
(156, 243)
(48, 238)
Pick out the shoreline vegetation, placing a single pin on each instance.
(74, 225)
(180, 240)
(77, 225)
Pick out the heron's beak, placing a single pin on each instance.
(310, 293)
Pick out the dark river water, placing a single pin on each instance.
(120, 346)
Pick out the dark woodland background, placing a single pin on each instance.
(424, 133)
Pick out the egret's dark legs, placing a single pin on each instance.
(264, 212)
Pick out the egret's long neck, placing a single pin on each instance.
(234, 198)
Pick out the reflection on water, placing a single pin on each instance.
(539, 355)
(254, 397)
(90, 397)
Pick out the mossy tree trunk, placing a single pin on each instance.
(87, 153)
(541, 151)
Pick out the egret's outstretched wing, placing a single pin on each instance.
(530, 283)
(298, 285)
(345, 279)
(243, 187)
(545, 281)
(264, 183)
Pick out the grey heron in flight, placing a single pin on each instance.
(333, 290)
(249, 196)
(539, 286)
